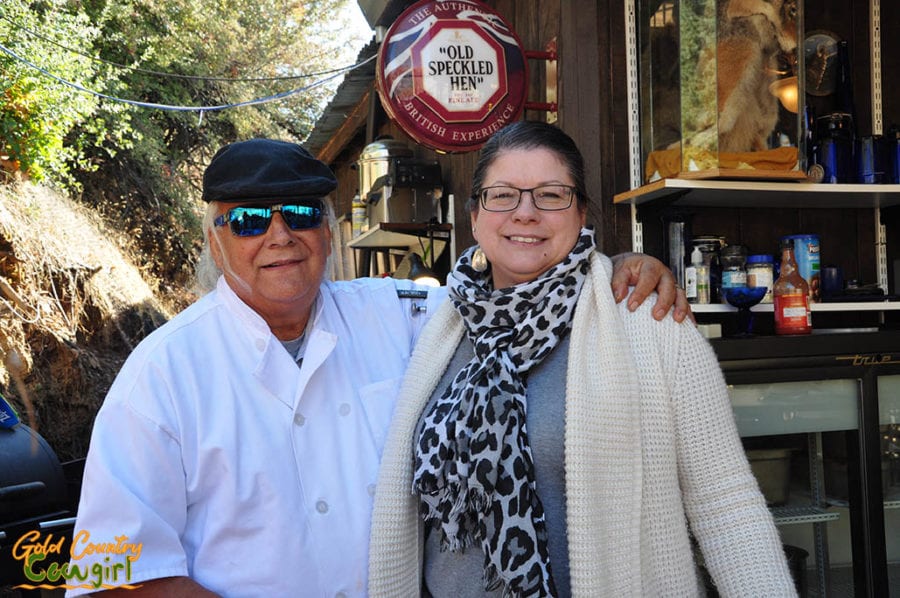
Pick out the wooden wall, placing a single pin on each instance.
(591, 95)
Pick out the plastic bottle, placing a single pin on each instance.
(791, 294)
(807, 254)
(696, 276)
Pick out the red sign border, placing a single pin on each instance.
(475, 133)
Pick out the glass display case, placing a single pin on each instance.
(889, 428)
(719, 88)
(819, 419)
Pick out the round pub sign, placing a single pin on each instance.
(451, 73)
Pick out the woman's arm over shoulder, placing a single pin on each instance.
(643, 274)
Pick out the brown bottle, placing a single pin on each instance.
(791, 295)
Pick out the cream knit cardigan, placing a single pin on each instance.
(650, 439)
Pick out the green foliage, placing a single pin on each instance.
(697, 39)
(36, 111)
(141, 166)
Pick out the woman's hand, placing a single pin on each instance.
(646, 274)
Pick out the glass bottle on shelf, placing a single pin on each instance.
(791, 296)
(358, 216)
(734, 274)
(760, 273)
(844, 86)
(710, 247)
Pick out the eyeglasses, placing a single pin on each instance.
(250, 221)
(549, 198)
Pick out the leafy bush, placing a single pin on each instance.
(36, 111)
(140, 165)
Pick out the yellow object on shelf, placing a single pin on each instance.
(664, 164)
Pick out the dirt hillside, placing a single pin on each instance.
(72, 306)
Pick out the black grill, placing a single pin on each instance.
(37, 493)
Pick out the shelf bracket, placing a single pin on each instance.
(631, 75)
(875, 58)
(881, 252)
(637, 231)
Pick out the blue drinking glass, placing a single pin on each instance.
(744, 298)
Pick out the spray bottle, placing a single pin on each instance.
(696, 279)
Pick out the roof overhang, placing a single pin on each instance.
(347, 111)
(382, 13)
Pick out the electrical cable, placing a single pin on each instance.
(160, 73)
(262, 100)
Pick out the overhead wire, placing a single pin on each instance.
(161, 73)
(173, 108)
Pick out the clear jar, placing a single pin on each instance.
(761, 273)
(733, 273)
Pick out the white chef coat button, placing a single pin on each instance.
(321, 506)
(344, 409)
(299, 419)
(260, 344)
(371, 489)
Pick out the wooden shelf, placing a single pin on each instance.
(402, 235)
(767, 194)
(847, 306)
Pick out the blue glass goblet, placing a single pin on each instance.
(744, 298)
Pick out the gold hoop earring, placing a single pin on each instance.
(479, 260)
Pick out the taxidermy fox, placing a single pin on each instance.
(751, 36)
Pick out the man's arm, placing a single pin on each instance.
(166, 587)
(647, 274)
(137, 494)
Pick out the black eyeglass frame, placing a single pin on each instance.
(482, 197)
(317, 205)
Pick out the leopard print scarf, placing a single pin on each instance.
(474, 469)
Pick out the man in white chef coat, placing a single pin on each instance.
(237, 450)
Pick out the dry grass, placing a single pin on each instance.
(72, 307)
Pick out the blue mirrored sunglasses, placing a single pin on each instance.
(250, 221)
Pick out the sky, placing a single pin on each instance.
(359, 31)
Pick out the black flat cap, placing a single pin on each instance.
(265, 170)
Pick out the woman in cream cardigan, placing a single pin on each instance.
(548, 442)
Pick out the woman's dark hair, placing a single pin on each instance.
(525, 135)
